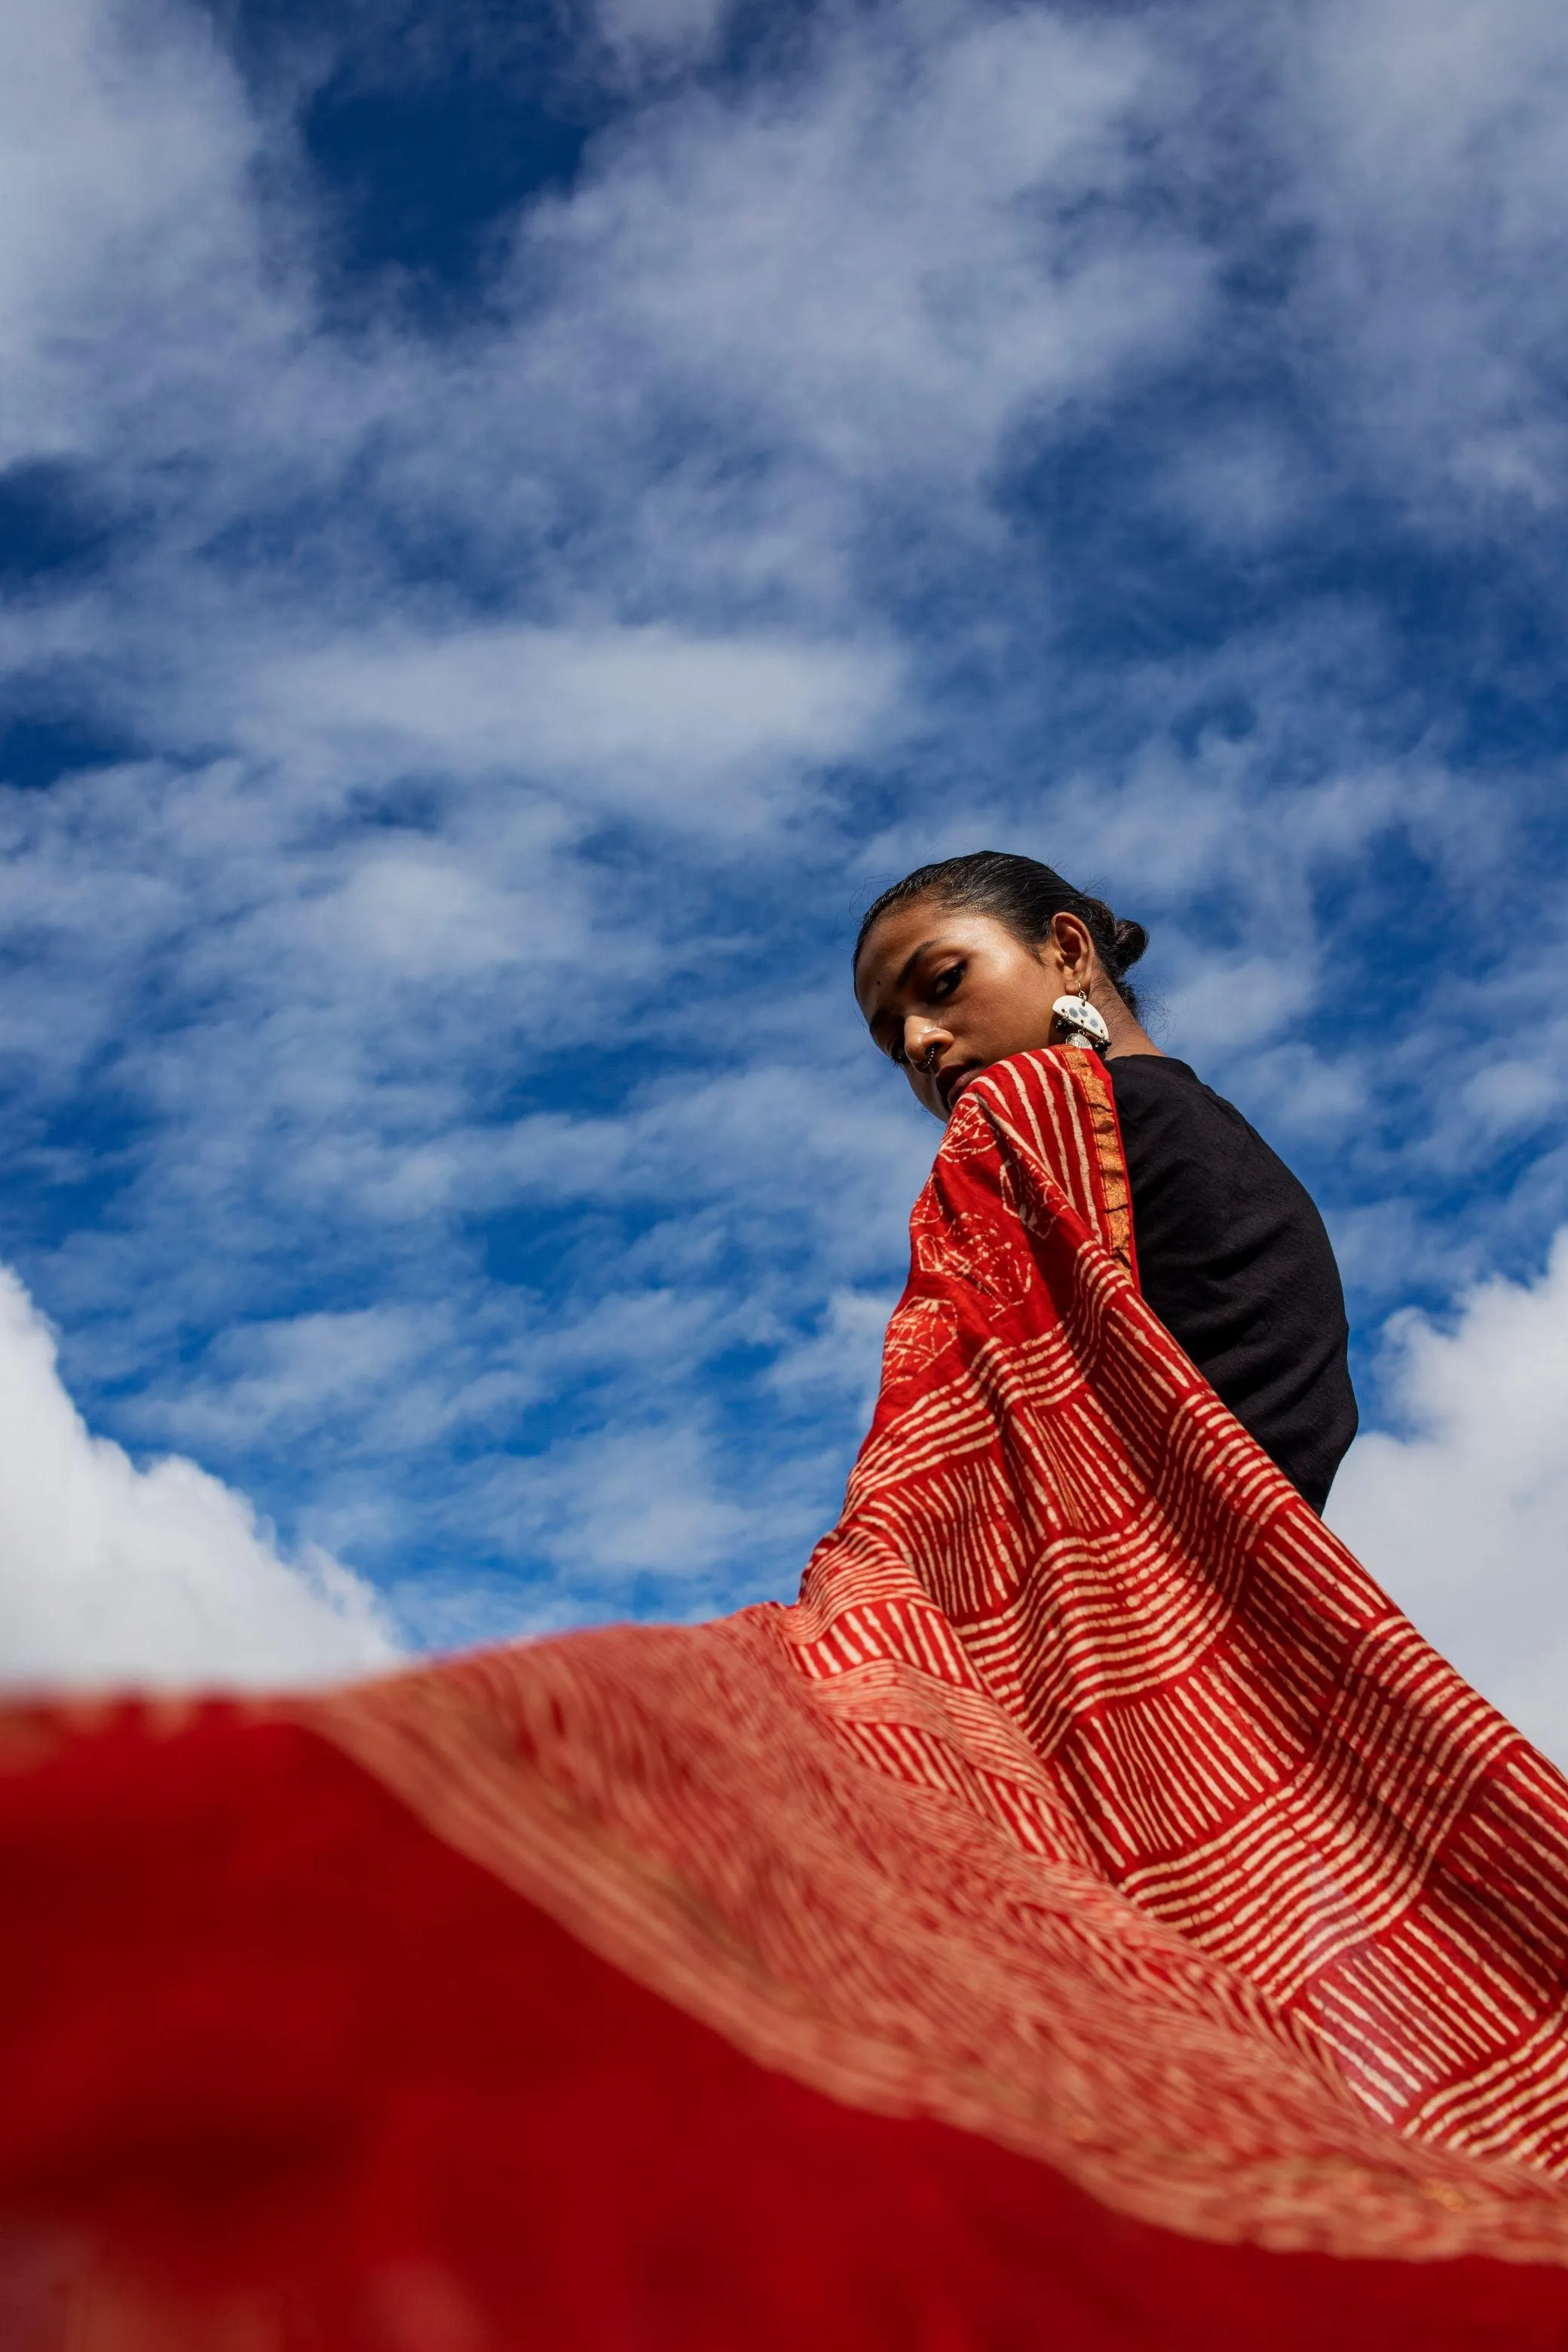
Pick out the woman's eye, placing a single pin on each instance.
(946, 981)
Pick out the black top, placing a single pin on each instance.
(1234, 1259)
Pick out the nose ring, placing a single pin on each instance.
(928, 1059)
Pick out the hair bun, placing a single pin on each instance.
(1132, 940)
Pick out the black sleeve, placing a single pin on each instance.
(1234, 1260)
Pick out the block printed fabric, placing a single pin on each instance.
(1093, 1870)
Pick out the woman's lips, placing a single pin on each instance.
(951, 1087)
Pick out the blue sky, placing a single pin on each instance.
(513, 527)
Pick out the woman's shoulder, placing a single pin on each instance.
(1168, 1115)
(1158, 1082)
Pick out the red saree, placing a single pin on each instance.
(1091, 1916)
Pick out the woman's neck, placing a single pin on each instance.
(1128, 1035)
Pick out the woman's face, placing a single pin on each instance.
(946, 992)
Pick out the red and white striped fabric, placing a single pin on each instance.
(1091, 1916)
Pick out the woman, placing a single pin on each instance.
(967, 962)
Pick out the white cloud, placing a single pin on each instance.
(1426, 137)
(363, 1374)
(110, 1574)
(1465, 1520)
(844, 1354)
(702, 730)
(636, 1500)
(126, 236)
(882, 267)
(1237, 1003)
(640, 30)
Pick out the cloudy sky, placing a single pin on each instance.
(514, 524)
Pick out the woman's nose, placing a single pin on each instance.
(923, 1042)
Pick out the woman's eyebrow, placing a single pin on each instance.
(911, 960)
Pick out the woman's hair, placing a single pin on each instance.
(1023, 894)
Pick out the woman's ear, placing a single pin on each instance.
(1071, 938)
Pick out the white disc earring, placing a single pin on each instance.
(1081, 1023)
